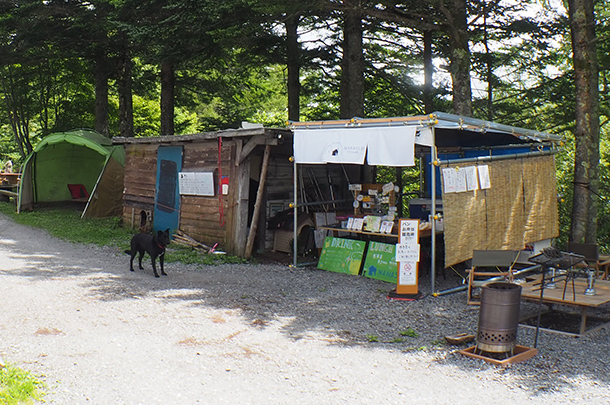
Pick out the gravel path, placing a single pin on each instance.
(256, 334)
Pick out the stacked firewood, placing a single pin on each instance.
(183, 239)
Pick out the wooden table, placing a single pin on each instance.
(422, 232)
(9, 179)
(9, 183)
(531, 292)
(339, 229)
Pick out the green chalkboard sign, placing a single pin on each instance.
(342, 255)
(380, 262)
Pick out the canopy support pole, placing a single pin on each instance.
(433, 160)
(295, 212)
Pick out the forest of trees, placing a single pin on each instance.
(146, 68)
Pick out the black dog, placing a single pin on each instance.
(154, 245)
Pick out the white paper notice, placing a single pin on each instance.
(196, 183)
(407, 274)
(409, 231)
(358, 224)
(350, 223)
(472, 182)
(386, 226)
(461, 185)
(407, 252)
(449, 180)
(484, 177)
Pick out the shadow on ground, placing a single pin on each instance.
(338, 308)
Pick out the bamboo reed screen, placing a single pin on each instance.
(519, 208)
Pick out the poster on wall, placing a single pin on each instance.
(196, 183)
(342, 255)
(461, 179)
(484, 177)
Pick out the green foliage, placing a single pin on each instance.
(227, 95)
(8, 148)
(565, 186)
(322, 94)
(146, 117)
(18, 386)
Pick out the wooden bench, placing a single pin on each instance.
(489, 265)
(5, 194)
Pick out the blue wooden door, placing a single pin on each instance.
(167, 194)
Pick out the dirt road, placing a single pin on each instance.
(266, 334)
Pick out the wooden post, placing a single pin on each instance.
(257, 204)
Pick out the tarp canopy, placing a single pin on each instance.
(391, 141)
(392, 146)
(78, 157)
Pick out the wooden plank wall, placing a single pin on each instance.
(140, 181)
(200, 216)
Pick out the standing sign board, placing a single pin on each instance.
(342, 255)
(380, 262)
(407, 257)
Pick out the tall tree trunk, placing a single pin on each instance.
(167, 98)
(489, 63)
(293, 64)
(428, 73)
(125, 96)
(457, 28)
(352, 74)
(352, 66)
(586, 133)
(101, 93)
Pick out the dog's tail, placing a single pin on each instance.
(128, 252)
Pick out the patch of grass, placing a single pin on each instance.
(397, 340)
(18, 386)
(409, 332)
(372, 338)
(68, 225)
(438, 342)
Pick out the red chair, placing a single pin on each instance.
(78, 191)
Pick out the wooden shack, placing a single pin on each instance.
(205, 185)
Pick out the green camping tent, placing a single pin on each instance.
(75, 160)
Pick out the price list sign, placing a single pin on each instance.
(407, 256)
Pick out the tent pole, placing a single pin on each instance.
(433, 159)
(295, 212)
(82, 215)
